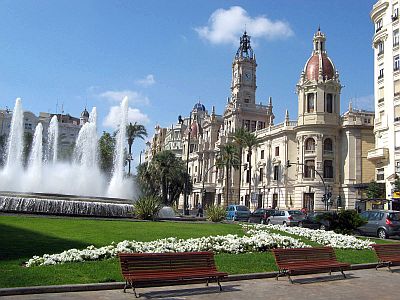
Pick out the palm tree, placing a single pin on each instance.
(238, 138)
(134, 131)
(250, 141)
(228, 157)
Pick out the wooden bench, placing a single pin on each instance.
(149, 268)
(297, 261)
(388, 254)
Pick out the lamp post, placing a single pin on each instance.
(185, 195)
(325, 198)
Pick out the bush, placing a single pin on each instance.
(147, 207)
(215, 213)
(345, 222)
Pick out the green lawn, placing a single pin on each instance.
(23, 237)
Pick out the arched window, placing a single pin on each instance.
(329, 103)
(310, 102)
(310, 145)
(328, 147)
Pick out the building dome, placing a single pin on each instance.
(200, 107)
(319, 64)
(316, 63)
(85, 114)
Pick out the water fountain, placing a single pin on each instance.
(50, 186)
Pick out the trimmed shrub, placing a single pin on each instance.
(345, 221)
(147, 207)
(215, 213)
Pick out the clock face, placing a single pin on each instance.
(247, 76)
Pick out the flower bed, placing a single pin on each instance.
(257, 241)
(326, 238)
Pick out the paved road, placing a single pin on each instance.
(361, 284)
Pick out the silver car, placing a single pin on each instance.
(381, 223)
(286, 218)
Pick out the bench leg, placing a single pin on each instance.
(219, 283)
(344, 275)
(389, 267)
(290, 279)
(330, 272)
(126, 285)
(134, 291)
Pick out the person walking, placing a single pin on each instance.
(199, 211)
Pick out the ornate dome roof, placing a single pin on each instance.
(85, 114)
(200, 107)
(319, 64)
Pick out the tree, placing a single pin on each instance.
(164, 176)
(238, 138)
(250, 141)
(106, 152)
(134, 131)
(228, 157)
(374, 190)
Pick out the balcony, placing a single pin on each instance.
(379, 153)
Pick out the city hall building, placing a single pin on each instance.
(327, 151)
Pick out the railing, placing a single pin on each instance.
(309, 151)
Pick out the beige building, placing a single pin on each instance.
(386, 44)
(327, 151)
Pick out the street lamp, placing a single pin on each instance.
(185, 195)
(325, 196)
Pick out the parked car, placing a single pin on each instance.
(286, 217)
(260, 215)
(237, 213)
(381, 223)
(316, 220)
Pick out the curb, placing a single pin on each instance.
(120, 285)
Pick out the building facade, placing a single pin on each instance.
(386, 45)
(326, 151)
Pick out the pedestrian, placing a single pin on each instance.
(199, 211)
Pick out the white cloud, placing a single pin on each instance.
(147, 81)
(113, 117)
(226, 25)
(363, 102)
(117, 96)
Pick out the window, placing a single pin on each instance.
(397, 166)
(247, 124)
(309, 167)
(248, 157)
(260, 178)
(310, 103)
(380, 76)
(397, 139)
(262, 154)
(247, 100)
(378, 25)
(397, 88)
(253, 125)
(380, 174)
(277, 151)
(395, 12)
(381, 48)
(397, 113)
(247, 176)
(276, 172)
(396, 63)
(329, 103)
(395, 38)
(381, 94)
(328, 169)
(310, 145)
(328, 147)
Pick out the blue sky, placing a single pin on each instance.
(167, 55)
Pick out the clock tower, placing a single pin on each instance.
(243, 87)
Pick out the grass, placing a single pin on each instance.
(25, 236)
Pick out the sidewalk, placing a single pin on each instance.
(360, 284)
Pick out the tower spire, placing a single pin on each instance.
(245, 50)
